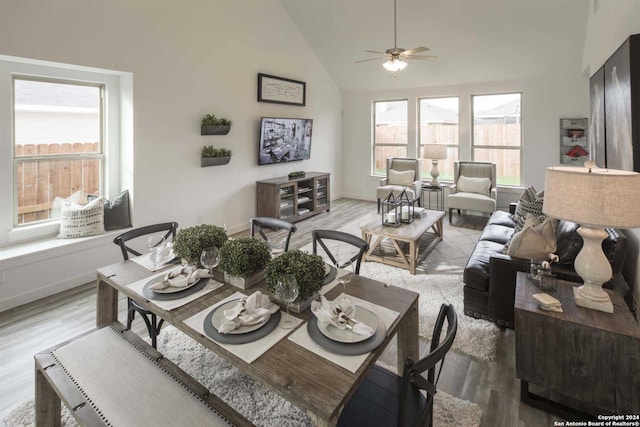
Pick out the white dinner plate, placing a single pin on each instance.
(171, 289)
(348, 336)
(218, 319)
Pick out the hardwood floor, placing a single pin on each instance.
(33, 327)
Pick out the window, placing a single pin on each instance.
(65, 131)
(497, 134)
(58, 144)
(390, 138)
(439, 125)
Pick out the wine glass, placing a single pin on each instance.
(154, 244)
(210, 258)
(287, 290)
(348, 267)
(276, 246)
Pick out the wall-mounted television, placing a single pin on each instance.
(284, 140)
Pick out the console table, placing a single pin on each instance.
(588, 356)
(294, 199)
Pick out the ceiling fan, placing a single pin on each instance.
(395, 57)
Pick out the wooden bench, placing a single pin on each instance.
(110, 376)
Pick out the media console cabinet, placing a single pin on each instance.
(294, 199)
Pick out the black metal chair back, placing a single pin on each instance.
(414, 381)
(150, 319)
(319, 237)
(169, 228)
(258, 225)
(386, 399)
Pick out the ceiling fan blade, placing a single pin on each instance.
(419, 57)
(374, 51)
(415, 50)
(372, 59)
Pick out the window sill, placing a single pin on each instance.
(21, 254)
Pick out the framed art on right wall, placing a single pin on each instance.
(621, 105)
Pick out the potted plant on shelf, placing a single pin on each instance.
(210, 156)
(243, 261)
(212, 125)
(308, 270)
(190, 241)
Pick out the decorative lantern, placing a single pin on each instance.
(406, 207)
(391, 210)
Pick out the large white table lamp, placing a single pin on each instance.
(594, 198)
(434, 152)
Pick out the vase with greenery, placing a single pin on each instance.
(308, 270)
(190, 241)
(243, 261)
(212, 125)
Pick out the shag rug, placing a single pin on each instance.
(260, 405)
(436, 284)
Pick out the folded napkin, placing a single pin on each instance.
(339, 314)
(181, 277)
(251, 310)
(163, 252)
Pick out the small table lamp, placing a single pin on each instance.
(435, 152)
(595, 199)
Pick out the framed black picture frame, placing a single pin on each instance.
(280, 90)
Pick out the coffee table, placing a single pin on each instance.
(404, 238)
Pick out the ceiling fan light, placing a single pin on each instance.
(394, 65)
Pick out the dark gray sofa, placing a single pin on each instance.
(490, 276)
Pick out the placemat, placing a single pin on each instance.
(138, 286)
(145, 261)
(249, 351)
(350, 363)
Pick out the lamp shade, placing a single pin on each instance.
(594, 197)
(434, 151)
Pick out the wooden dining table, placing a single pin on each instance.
(309, 381)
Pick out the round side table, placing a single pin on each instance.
(438, 190)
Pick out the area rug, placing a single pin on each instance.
(260, 405)
(437, 284)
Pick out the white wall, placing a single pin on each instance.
(187, 58)
(544, 101)
(610, 24)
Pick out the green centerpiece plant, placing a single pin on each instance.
(308, 270)
(190, 241)
(244, 256)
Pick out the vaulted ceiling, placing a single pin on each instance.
(475, 40)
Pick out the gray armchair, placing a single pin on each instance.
(398, 178)
(476, 190)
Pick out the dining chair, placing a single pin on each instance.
(321, 236)
(150, 319)
(385, 399)
(258, 225)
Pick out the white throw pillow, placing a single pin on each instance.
(474, 185)
(81, 221)
(401, 177)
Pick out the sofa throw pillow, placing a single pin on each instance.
(117, 213)
(530, 202)
(468, 184)
(81, 221)
(404, 178)
(534, 241)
